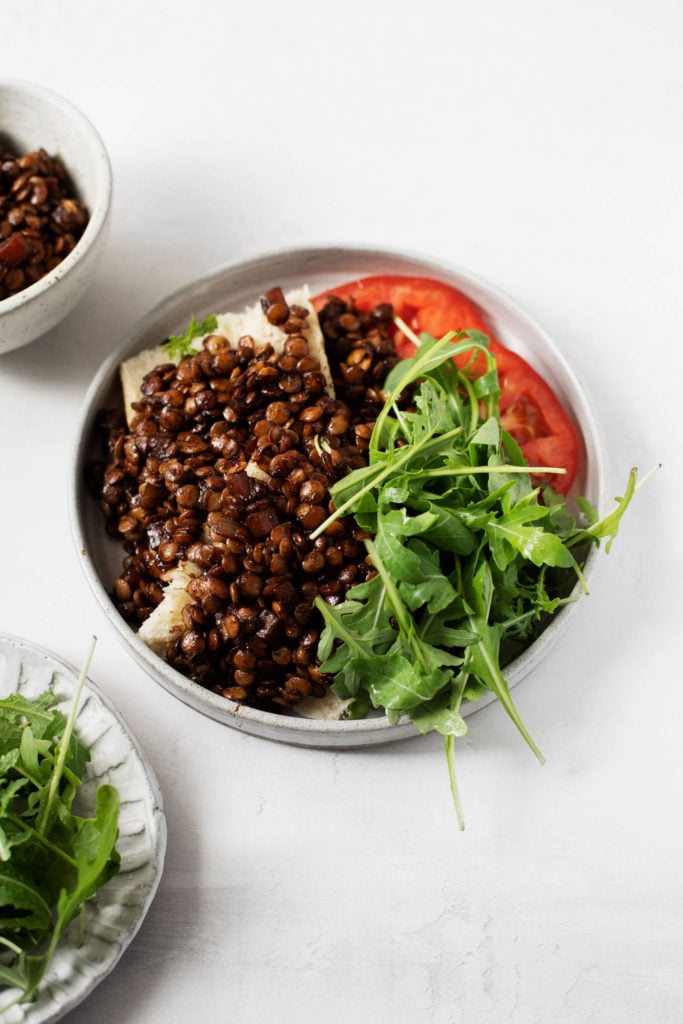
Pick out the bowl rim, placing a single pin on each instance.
(99, 214)
(310, 732)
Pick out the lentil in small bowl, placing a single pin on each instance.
(123, 595)
(55, 205)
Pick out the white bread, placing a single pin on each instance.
(251, 321)
(165, 622)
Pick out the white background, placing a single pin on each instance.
(538, 145)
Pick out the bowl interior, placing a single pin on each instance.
(32, 118)
(231, 288)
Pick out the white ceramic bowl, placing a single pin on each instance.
(32, 117)
(231, 288)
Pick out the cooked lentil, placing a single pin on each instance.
(175, 488)
(40, 219)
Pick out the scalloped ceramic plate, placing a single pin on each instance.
(231, 288)
(114, 915)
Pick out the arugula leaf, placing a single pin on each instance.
(441, 714)
(608, 526)
(482, 659)
(19, 894)
(397, 684)
(180, 345)
(510, 535)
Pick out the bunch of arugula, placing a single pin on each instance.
(471, 558)
(51, 859)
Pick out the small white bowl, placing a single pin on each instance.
(32, 117)
(231, 288)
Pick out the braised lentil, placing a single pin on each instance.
(175, 488)
(40, 218)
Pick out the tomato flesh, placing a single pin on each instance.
(529, 408)
(524, 421)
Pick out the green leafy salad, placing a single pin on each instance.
(51, 859)
(471, 558)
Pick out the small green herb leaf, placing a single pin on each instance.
(178, 346)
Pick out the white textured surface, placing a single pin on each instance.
(538, 145)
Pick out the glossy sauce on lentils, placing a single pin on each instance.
(40, 218)
(175, 488)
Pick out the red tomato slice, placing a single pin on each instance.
(530, 410)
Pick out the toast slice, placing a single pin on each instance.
(165, 621)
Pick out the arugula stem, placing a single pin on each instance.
(647, 476)
(58, 770)
(16, 820)
(502, 692)
(474, 404)
(20, 769)
(534, 613)
(449, 744)
(471, 470)
(10, 945)
(401, 420)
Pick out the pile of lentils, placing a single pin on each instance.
(40, 219)
(175, 487)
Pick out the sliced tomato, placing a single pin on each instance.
(422, 304)
(533, 414)
(530, 410)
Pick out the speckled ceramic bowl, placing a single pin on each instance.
(231, 288)
(32, 117)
